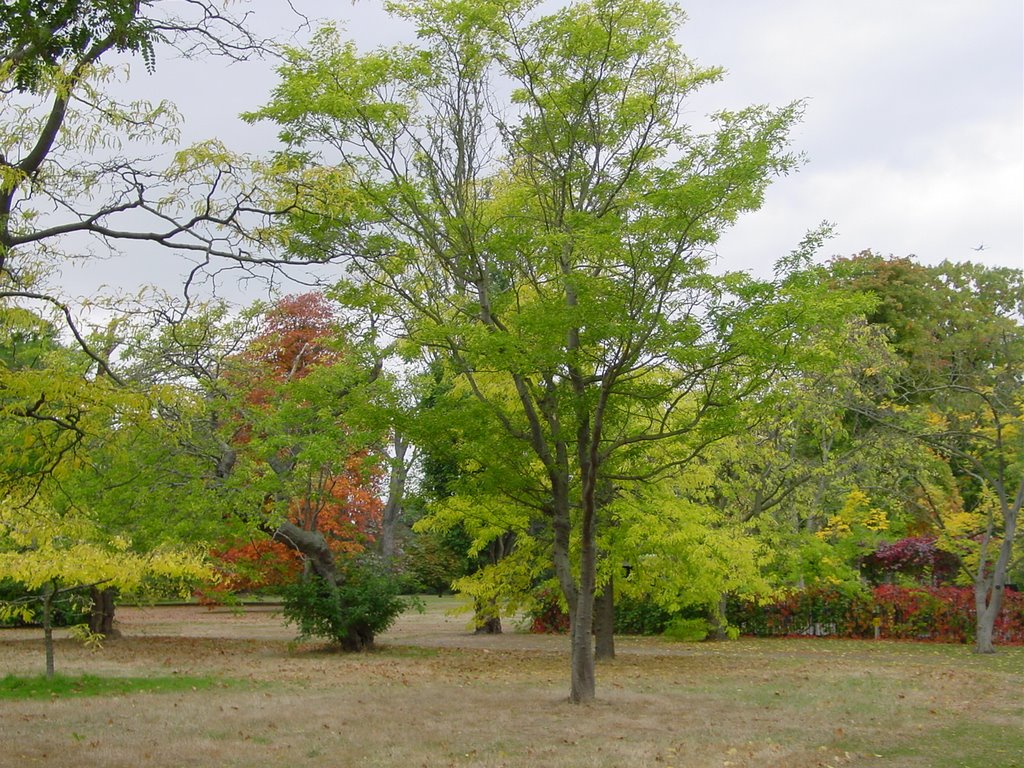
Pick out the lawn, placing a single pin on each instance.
(433, 694)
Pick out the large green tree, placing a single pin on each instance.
(517, 193)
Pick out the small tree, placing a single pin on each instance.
(53, 554)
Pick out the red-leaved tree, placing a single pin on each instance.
(291, 441)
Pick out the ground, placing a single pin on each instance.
(434, 694)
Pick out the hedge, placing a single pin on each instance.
(938, 614)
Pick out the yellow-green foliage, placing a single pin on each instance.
(682, 552)
(856, 515)
(41, 547)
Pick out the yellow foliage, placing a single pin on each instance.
(45, 547)
(857, 512)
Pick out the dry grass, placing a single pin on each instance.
(435, 695)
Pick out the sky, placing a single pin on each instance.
(913, 131)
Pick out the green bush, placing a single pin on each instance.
(640, 617)
(686, 630)
(365, 602)
(633, 616)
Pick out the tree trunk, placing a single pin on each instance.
(984, 630)
(987, 605)
(604, 623)
(583, 679)
(312, 545)
(392, 513)
(358, 640)
(101, 618)
(488, 625)
(718, 621)
(989, 588)
(48, 596)
(584, 688)
(486, 618)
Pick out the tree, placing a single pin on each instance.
(284, 431)
(53, 553)
(553, 248)
(70, 449)
(70, 183)
(960, 394)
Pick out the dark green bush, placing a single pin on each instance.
(640, 617)
(632, 616)
(365, 602)
(69, 609)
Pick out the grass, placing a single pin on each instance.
(433, 694)
(60, 686)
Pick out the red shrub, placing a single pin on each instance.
(939, 614)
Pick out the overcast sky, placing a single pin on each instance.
(913, 131)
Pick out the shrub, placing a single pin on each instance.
(640, 617)
(365, 603)
(547, 616)
(686, 630)
(633, 616)
(942, 614)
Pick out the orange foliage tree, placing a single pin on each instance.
(291, 441)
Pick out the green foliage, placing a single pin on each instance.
(39, 547)
(364, 603)
(686, 630)
(19, 607)
(40, 34)
(434, 560)
(640, 617)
